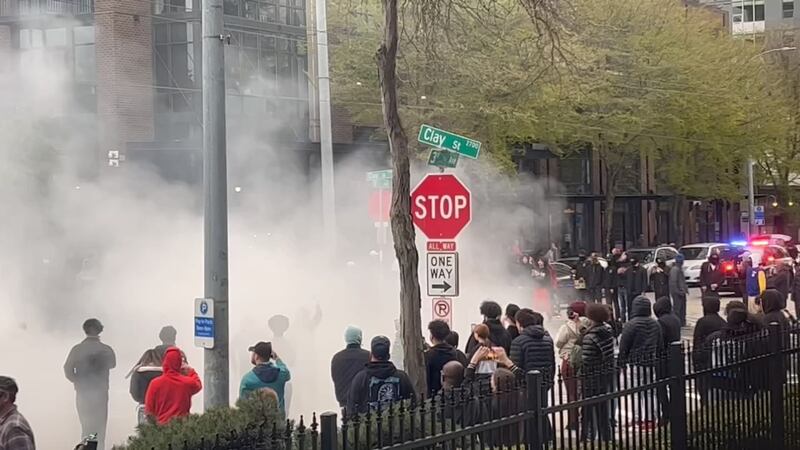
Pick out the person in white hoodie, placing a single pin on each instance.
(568, 337)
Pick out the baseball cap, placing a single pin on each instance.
(380, 348)
(262, 349)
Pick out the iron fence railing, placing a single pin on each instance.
(732, 392)
(16, 8)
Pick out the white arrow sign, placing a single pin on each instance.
(443, 274)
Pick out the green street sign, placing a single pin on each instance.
(443, 158)
(380, 179)
(446, 140)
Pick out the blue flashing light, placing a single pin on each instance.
(739, 243)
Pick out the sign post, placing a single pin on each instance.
(443, 310)
(204, 323)
(446, 140)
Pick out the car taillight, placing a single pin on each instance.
(771, 259)
(728, 267)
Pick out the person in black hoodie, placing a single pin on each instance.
(510, 321)
(711, 276)
(774, 303)
(347, 363)
(491, 312)
(781, 281)
(438, 355)
(611, 280)
(594, 279)
(671, 332)
(640, 346)
(635, 282)
(597, 353)
(380, 382)
(659, 279)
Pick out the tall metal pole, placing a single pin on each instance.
(325, 139)
(751, 197)
(215, 201)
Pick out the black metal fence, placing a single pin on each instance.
(733, 392)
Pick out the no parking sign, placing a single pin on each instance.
(443, 310)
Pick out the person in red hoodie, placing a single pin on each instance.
(170, 395)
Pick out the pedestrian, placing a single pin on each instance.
(639, 347)
(566, 341)
(581, 276)
(266, 374)
(491, 313)
(594, 278)
(87, 367)
(711, 276)
(796, 291)
(678, 289)
(168, 336)
(781, 280)
(147, 369)
(453, 339)
(170, 395)
(597, 354)
(710, 323)
(15, 432)
(380, 383)
(611, 280)
(509, 321)
(774, 306)
(438, 355)
(636, 284)
(659, 279)
(671, 332)
(452, 375)
(621, 309)
(347, 363)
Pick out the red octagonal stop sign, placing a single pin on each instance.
(441, 206)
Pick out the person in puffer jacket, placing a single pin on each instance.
(640, 346)
(597, 352)
(534, 349)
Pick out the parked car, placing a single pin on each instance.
(572, 262)
(647, 256)
(696, 254)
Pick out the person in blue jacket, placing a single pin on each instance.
(754, 276)
(266, 374)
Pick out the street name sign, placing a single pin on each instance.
(442, 274)
(380, 179)
(443, 158)
(443, 310)
(204, 323)
(441, 206)
(446, 140)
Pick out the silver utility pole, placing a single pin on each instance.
(325, 139)
(751, 198)
(215, 201)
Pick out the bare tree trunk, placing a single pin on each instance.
(402, 227)
(609, 210)
(678, 218)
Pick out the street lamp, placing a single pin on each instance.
(751, 193)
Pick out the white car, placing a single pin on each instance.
(647, 256)
(695, 255)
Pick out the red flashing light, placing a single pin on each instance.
(771, 259)
(728, 267)
(759, 242)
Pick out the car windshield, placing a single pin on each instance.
(561, 270)
(692, 253)
(644, 256)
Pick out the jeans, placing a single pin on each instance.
(92, 406)
(622, 301)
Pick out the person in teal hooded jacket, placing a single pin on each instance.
(265, 374)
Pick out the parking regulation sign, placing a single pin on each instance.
(204, 322)
(443, 310)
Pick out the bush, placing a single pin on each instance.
(253, 420)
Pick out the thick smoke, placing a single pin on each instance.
(125, 246)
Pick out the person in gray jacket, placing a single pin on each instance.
(640, 347)
(678, 289)
(87, 367)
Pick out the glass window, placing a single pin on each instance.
(231, 7)
(669, 254)
(788, 9)
(24, 38)
(178, 32)
(56, 37)
(85, 63)
(162, 33)
(83, 35)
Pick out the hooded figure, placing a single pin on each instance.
(781, 281)
(668, 321)
(641, 338)
(380, 383)
(533, 349)
(711, 276)
(678, 289)
(170, 395)
(597, 352)
(636, 277)
(659, 279)
(346, 364)
(773, 303)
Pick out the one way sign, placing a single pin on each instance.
(443, 274)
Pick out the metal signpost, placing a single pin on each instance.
(204, 323)
(443, 310)
(446, 140)
(443, 274)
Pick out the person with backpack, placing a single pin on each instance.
(143, 373)
(380, 383)
(598, 372)
(569, 351)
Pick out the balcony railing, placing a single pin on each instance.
(15, 8)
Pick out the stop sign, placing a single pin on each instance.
(441, 206)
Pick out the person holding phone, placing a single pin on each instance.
(266, 374)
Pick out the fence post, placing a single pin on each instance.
(677, 396)
(329, 433)
(533, 380)
(776, 377)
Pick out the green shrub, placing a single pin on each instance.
(259, 413)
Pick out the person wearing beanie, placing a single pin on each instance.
(678, 289)
(380, 383)
(347, 363)
(568, 336)
(597, 354)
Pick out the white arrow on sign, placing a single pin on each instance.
(443, 274)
